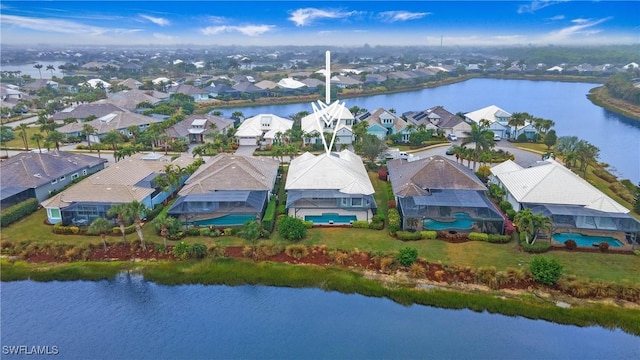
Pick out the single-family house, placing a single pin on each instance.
(37, 175)
(133, 178)
(227, 190)
(96, 83)
(42, 83)
(83, 111)
(195, 92)
(195, 128)
(329, 189)
(440, 119)
(130, 99)
(574, 205)
(498, 119)
(262, 129)
(383, 123)
(436, 193)
(117, 120)
(343, 120)
(130, 83)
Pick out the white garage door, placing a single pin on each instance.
(246, 141)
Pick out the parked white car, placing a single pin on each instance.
(497, 138)
(452, 137)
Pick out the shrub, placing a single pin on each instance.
(545, 271)
(417, 270)
(360, 224)
(511, 214)
(394, 220)
(215, 251)
(637, 252)
(603, 246)
(536, 248)
(197, 251)
(308, 224)
(476, 236)
(499, 239)
(409, 236)
(382, 174)
(292, 228)
(407, 256)
(570, 244)
(18, 211)
(505, 205)
(181, 250)
(339, 257)
(282, 209)
(386, 264)
(376, 223)
(296, 251)
(391, 204)
(193, 232)
(429, 234)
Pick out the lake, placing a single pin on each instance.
(617, 136)
(28, 69)
(129, 317)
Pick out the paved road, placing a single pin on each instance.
(524, 158)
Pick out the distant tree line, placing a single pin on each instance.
(621, 86)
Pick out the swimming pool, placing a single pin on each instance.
(335, 217)
(586, 240)
(226, 220)
(463, 221)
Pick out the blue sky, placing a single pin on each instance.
(339, 23)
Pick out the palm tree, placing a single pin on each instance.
(122, 213)
(518, 119)
(56, 138)
(51, 67)
(39, 67)
(101, 226)
(37, 137)
(134, 130)
(23, 129)
(163, 223)
(482, 138)
(113, 137)
(531, 224)
(137, 208)
(88, 130)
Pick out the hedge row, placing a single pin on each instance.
(269, 219)
(492, 238)
(18, 211)
(75, 230)
(418, 235)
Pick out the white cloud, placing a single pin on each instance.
(156, 20)
(249, 30)
(393, 16)
(556, 18)
(581, 27)
(303, 17)
(59, 26)
(537, 5)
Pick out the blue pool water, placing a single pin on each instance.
(326, 217)
(463, 221)
(586, 240)
(227, 220)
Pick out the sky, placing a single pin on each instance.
(336, 23)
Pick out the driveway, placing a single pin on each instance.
(245, 150)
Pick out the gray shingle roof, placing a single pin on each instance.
(85, 110)
(34, 169)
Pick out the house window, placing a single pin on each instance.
(84, 172)
(345, 201)
(62, 178)
(74, 176)
(54, 181)
(54, 213)
(356, 202)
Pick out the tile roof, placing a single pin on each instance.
(232, 172)
(435, 172)
(399, 123)
(117, 120)
(85, 110)
(29, 169)
(343, 171)
(118, 183)
(181, 129)
(489, 113)
(253, 126)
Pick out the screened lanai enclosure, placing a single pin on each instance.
(568, 217)
(220, 208)
(330, 206)
(450, 210)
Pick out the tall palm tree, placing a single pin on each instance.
(88, 130)
(122, 213)
(481, 138)
(137, 209)
(518, 119)
(37, 137)
(51, 67)
(113, 137)
(163, 223)
(56, 138)
(23, 129)
(39, 67)
(101, 226)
